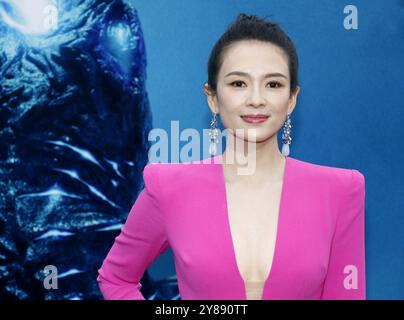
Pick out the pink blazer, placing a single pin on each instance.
(319, 248)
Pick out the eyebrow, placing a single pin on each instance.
(268, 75)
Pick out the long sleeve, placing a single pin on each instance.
(345, 279)
(141, 241)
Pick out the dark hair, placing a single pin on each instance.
(250, 27)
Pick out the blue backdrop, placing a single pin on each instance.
(349, 112)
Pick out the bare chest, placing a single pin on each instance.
(253, 220)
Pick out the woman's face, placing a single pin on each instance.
(253, 79)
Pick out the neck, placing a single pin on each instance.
(253, 161)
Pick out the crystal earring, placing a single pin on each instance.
(286, 138)
(214, 136)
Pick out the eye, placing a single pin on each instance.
(238, 82)
(275, 83)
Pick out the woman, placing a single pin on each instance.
(288, 229)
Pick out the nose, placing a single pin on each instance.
(256, 99)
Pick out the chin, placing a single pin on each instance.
(254, 138)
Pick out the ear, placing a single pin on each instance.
(293, 99)
(211, 99)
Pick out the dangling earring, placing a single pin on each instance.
(214, 136)
(286, 138)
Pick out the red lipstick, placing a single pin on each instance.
(254, 118)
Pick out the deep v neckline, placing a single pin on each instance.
(228, 232)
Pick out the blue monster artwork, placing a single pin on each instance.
(74, 124)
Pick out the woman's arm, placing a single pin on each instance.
(345, 278)
(141, 241)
